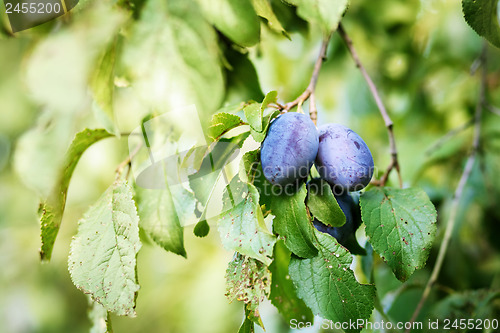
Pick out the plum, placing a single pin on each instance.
(352, 223)
(344, 160)
(289, 149)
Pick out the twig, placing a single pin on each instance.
(493, 109)
(387, 120)
(127, 161)
(448, 136)
(309, 92)
(459, 190)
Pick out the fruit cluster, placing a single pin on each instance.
(341, 157)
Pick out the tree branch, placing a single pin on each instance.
(127, 162)
(448, 136)
(493, 109)
(387, 120)
(309, 92)
(460, 188)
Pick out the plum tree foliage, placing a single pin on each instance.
(305, 201)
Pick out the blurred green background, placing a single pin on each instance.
(418, 52)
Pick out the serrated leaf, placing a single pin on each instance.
(51, 210)
(160, 219)
(253, 113)
(328, 285)
(326, 13)
(172, 57)
(292, 222)
(322, 203)
(283, 295)
(264, 9)
(268, 99)
(248, 280)
(222, 123)
(401, 224)
(258, 120)
(102, 87)
(102, 260)
(241, 226)
(235, 19)
(483, 17)
(249, 165)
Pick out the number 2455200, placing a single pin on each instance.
(33, 8)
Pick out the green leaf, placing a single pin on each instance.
(222, 123)
(201, 229)
(102, 87)
(51, 210)
(64, 60)
(264, 9)
(322, 203)
(328, 285)
(253, 113)
(249, 165)
(38, 158)
(468, 304)
(283, 295)
(258, 120)
(241, 226)
(235, 19)
(206, 178)
(102, 260)
(248, 280)
(248, 325)
(483, 17)
(160, 219)
(401, 224)
(242, 81)
(270, 97)
(292, 222)
(326, 13)
(172, 57)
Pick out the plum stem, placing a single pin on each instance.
(460, 187)
(309, 92)
(383, 111)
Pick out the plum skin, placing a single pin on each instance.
(289, 149)
(343, 160)
(347, 205)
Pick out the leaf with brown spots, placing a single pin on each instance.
(328, 286)
(248, 281)
(401, 224)
(102, 260)
(241, 226)
(283, 295)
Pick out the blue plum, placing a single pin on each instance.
(344, 160)
(289, 149)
